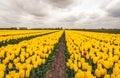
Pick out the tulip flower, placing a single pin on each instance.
(85, 53)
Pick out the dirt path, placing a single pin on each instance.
(58, 66)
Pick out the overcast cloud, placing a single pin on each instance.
(60, 13)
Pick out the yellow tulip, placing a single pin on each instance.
(118, 76)
(43, 61)
(95, 59)
(84, 66)
(107, 76)
(1, 74)
(79, 74)
(113, 76)
(88, 74)
(27, 73)
(22, 58)
(16, 75)
(79, 64)
(116, 58)
(99, 66)
(116, 70)
(75, 68)
(35, 65)
(22, 73)
(111, 64)
(12, 73)
(10, 65)
(103, 71)
(97, 73)
(82, 60)
(67, 64)
(2, 67)
(106, 64)
(18, 66)
(89, 68)
(8, 76)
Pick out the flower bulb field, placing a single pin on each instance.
(59, 54)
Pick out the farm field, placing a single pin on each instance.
(59, 54)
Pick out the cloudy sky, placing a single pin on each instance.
(60, 13)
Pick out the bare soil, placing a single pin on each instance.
(58, 68)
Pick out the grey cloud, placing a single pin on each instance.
(55, 13)
(60, 3)
(114, 10)
(94, 16)
(70, 19)
(24, 12)
(103, 22)
(33, 7)
(105, 4)
(10, 19)
(73, 18)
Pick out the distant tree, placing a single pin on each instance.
(23, 28)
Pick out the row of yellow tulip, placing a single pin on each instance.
(92, 58)
(105, 37)
(16, 34)
(17, 61)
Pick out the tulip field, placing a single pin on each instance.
(31, 53)
(93, 55)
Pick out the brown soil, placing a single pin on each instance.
(58, 65)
